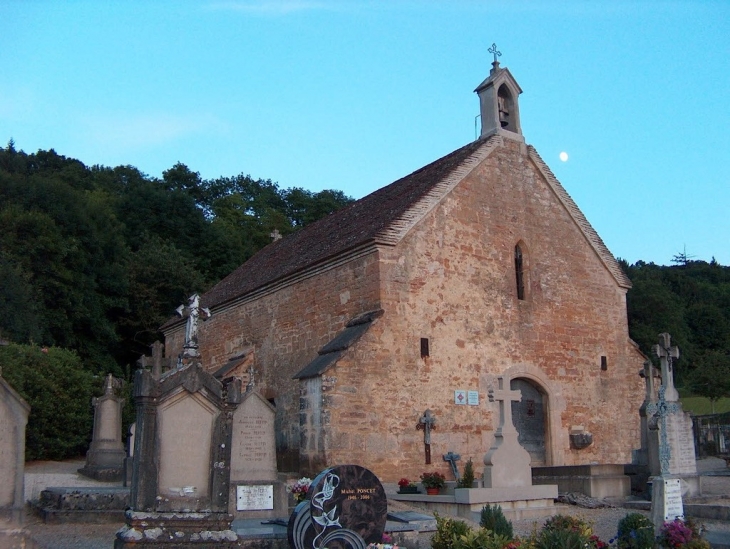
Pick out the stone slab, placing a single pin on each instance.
(471, 496)
(596, 481)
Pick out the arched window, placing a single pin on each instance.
(520, 272)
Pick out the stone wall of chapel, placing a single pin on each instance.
(286, 329)
(452, 280)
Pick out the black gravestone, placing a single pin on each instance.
(345, 507)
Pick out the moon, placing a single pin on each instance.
(564, 156)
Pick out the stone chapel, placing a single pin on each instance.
(420, 296)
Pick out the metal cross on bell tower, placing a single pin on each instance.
(496, 53)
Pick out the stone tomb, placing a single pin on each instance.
(105, 458)
(255, 489)
(13, 419)
(345, 507)
(181, 473)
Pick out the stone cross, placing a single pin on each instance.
(647, 373)
(452, 458)
(157, 348)
(427, 422)
(193, 311)
(666, 354)
(275, 235)
(660, 410)
(505, 397)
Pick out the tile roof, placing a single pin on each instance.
(382, 217)
(364, 221)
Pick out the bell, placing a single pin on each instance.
(503, 118)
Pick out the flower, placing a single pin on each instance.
(299, 489)
(433, 480)
(405, 482)
(674, 534)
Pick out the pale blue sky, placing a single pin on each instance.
(352, 95)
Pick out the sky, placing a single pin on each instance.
(354, 94)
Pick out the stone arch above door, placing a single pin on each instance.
(553, 406)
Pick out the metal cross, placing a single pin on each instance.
(427, 422)
(452, 458)
(250, 385)
(660, 410)
(493, 50)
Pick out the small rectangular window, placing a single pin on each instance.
(604, 363)
(424, 347)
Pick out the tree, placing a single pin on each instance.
(59, 390)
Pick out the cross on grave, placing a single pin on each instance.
(660, 410)
(251, 383)
(667, 353)
(647, 373)
(193, 311)
(505, 397)
(157, 349)
(426, 423)
(275, 235)
(452, 458)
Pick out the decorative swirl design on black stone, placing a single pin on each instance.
(345, 507)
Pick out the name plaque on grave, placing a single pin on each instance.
(255, 498)
(673, 507)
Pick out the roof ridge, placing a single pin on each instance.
(399, 227)
(593, 238)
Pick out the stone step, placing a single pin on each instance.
(60, 504)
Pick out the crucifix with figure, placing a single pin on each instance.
(427, 422)
(193, 312)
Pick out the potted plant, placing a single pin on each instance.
(433, 482)
(407, 487)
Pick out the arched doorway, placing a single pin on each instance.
(529, 417)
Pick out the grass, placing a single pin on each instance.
(700, 406)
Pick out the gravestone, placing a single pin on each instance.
(105, 458)
(255, 489)
(13, 419)
(675, 442)
(345, 507)
(182, 454)
(506, 464)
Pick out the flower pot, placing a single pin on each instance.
(408, 490)
(433, 491)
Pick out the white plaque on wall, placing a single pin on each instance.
(673, 507)
(472, 398)
(255, 498)
(459, 397)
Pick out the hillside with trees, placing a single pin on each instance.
(691, 301)
(94, 259)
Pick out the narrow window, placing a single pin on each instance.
(424, 347)
(520, 273)
(604, 363)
